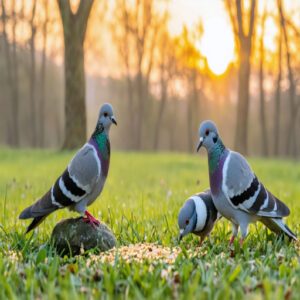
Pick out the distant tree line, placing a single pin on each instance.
(27, 76)
(164, 86)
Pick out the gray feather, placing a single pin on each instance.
(42, 207)
(238, 181)
(84, 168)
(239, 175)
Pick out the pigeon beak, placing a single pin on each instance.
(181, 235)
(200, 144)
(114, 120)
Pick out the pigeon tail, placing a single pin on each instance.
(26, 213)
(290, 233)
(38, 211)
(35, 222)
(278, 226)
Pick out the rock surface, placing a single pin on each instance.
(70, 236)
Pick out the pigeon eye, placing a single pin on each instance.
(207, 132)
(105, 114)
(187, 222)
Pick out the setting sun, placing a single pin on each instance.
(217, 45)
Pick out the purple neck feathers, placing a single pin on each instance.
(216, 176)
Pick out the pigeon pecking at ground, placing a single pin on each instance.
(83, 180)
(198, 215)
(236, 191)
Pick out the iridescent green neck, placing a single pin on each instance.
(101, 138)
(214, 156)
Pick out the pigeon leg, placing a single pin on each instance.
(200, 242)
(244, 232)
(90, 219)
(231, 240)
(235, 230)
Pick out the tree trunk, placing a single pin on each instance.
(131, 120)
(162, 104)
(74, 26)
(42, 113)
(32, 91)
(191, 102)
(244, 45)
(241, 137)
(277, 98)
(140, 114)
(264, 136)
(75, 110)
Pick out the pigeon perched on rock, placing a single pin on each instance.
(198, 215)
(236, 191)
(84, 178)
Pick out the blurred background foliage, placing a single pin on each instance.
(164, 65)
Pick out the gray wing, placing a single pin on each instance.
(244, 191)
(85, 168)
(84, 171)
(78, 180)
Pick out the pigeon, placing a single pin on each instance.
(83, 179)
(198, 215)
(236, 191)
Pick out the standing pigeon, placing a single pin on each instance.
(236, 191)
(83, 180)
(198, 215)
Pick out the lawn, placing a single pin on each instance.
(140, 203)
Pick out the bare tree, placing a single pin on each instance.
(74, 27)
(277, 116)
(135, 29)
(189, 56)
(264, 135)
(121, 39)
(243, 28)
(167, 69)
(12, 75)
(42, 101)
(32, 90)
(291, 136)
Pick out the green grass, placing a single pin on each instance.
(140, 203)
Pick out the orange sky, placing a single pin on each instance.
(216, 44)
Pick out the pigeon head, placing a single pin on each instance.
(208, 134)
(187, 218)
(106, 117)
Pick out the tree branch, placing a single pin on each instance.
(239, 13)
(65, 12)
(232, 17)
(252, 18)
(82, 16)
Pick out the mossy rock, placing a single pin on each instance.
(74, 236)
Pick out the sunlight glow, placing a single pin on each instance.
(217, 45)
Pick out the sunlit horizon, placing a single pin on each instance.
(217, 45)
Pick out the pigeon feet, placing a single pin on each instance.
(90, 219)
(231, 240)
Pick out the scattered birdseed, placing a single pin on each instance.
(139, 253)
